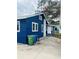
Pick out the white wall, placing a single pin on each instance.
(49, 30)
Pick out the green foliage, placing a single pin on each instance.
(53, 9)
(57, 35)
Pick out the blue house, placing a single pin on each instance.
(30, 25)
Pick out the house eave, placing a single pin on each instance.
(28, 16)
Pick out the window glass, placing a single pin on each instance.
(34, 26)
(40, 17)
(42, 26)
(18, 26)
(56, 29)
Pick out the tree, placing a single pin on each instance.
(51, 9)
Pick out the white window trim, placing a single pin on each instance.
(35, 27)
(18, 22)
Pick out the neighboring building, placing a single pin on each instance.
(31, 25)
(49, 30)
(55, 27)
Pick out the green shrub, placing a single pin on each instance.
(58, 35)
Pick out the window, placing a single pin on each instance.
(56, 29)
(40, 17)
(18, 26)
(34, 27)
(42, 27)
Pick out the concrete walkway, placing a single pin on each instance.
(46, 48)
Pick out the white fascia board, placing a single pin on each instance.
(27, 16)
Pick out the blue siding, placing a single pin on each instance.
(26, 28)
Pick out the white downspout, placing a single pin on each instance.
(44, 28)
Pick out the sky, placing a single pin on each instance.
(26, 7)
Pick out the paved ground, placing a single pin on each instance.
(47, 48)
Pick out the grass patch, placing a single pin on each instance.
(57, 35)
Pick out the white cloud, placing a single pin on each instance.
(26, 7)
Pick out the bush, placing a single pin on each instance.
(58, 35)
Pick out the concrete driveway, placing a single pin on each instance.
(46, 48)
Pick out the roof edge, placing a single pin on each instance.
(27, 16)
